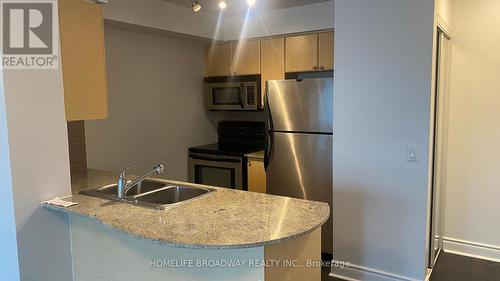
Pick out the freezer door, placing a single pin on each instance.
(305, 106)
(300, 166)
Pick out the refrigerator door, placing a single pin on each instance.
(300, 166)
(305, 106)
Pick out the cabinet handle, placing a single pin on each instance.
(314, 67)
(321, 67)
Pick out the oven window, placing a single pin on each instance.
(225, 95)
(217, 176)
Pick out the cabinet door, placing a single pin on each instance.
(246, 57)
(272, 61)
(82, 50)
(256, 176)
(325, 49)
(218, 60)
(301, 53)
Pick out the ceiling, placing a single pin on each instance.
(235, 6)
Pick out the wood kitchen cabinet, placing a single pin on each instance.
(233, 59)
(256, 176)
(218, 61)
(83, 62)
(325, 50)
(246, 57)
(310, 52)
(272, 60)
(301, 53)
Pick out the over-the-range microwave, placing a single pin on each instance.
(233, 93)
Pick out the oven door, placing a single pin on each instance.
(216, 170)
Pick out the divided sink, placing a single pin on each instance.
(156, 194)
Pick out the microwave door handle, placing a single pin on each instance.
(240, 95)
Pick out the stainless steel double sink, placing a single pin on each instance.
(151, 193)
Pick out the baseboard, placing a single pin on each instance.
(471, 249)
(360, 273)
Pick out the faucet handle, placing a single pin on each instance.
(160, 169)
(123, 172)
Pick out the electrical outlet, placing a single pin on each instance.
(412, 153)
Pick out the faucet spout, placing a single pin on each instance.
(124, 186)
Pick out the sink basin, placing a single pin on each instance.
(156, 194)
(172, 194)
(146, 185)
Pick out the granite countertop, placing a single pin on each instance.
(256, 155)
(222, 219)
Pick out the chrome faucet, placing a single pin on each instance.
(124, 185)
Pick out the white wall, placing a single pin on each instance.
(282, 21)
(9, 265)
(39, 162)
(383, 70)
(162, 15)
(156, 105)
(93, 244)
(473, 178)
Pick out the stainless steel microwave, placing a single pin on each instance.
(233, 93)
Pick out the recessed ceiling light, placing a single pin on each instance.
(196, 5)
(222, 5)
(250, 2)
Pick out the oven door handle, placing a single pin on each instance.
(240, 95)
(215, 159)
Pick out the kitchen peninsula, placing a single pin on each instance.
(253, 236)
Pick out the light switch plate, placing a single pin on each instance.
(412, 153)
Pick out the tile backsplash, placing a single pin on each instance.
(77, 150)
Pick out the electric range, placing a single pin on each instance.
(224, 163)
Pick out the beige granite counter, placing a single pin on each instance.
(222, 219)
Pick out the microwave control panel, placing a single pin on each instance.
(251, 95)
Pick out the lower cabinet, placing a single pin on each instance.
(256, 176)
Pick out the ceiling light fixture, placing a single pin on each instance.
(196, 5)
(222, 5)
(250, 2)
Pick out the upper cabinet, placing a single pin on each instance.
(218, 61)
(272, 60)
(238, 58)
(246, 57)
(83, 63)
(310, 52)
(301, 53)
(325, 51)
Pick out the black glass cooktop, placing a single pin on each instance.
(229, 149)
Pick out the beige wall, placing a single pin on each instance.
(156, 108)
(473, 164)
(443, 10)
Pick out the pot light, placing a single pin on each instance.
(196, 5)
(250, 2)
(222, 5)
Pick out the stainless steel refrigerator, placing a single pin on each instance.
(299, 143)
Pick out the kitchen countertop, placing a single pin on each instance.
(223, 219)
(259, 155)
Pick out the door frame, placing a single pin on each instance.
(438, 132)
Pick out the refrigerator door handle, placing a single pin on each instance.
(268, 149)
(268, 146)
